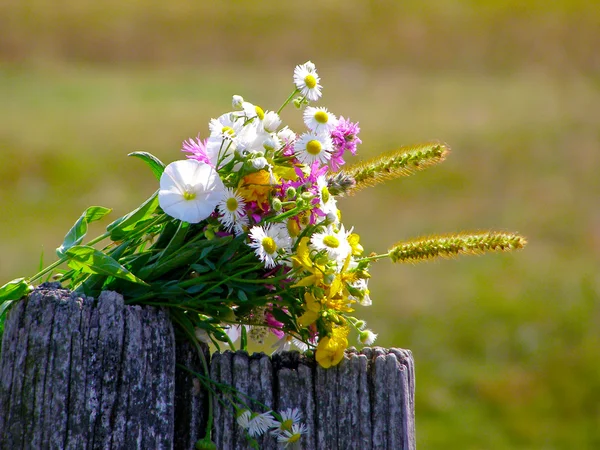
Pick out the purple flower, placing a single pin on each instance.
(275, 325)
(345, 138)
(197, 148)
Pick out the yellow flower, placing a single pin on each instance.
(313, 310)
(302, 260)
(255, 187)
(330, 349)
(354, 241)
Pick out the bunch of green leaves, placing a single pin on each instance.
(204, 278)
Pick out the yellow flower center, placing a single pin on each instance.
(228, 130)
(325, 194)
(188, 193)
(331, 241)
(314, 147)
(321, 117)
(310, 81)
(259, 112)
(294, 438)
(232, 204)
(269, 245)
(287, 424)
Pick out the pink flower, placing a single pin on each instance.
(197, 149)
(345, 138)
(274, 325)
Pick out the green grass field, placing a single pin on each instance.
(506, 346)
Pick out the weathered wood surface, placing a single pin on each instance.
(80, 374)
(366, 402)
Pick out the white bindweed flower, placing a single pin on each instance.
(319, 119)
(189, 190)
(307, 81)
(313, 147)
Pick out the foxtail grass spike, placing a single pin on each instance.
(387, 166)
(452, 245)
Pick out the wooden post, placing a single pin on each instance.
(82, 374)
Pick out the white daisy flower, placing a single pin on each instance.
(268, 241)
(282, 345)
(254, 423)
(307, 81)
(226, 126)
(232, 207)
(289, 418)
(189, 190)
(335, 243)
(251, 138)
(328, 202)
(313, 147)
(290, 437)
(252, 111)
(271, 121)
(286, 135)
(319, 119)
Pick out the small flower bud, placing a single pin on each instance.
(360, 324)
(367, 337)
(269, 144)
(307, 196)
(259, 163)
(290, 192)
(237, 101)
(276, 204)
(331, 218)
(271, 121)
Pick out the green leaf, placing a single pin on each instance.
(156, 165)
(78, 231)
(90, 260)
(13, 290)
(176, 241)
(118, 229)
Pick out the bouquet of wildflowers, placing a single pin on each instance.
(244, 236)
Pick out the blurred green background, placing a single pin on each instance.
(507, 347)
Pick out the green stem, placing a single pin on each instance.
(289, 99)
(373, 258)
(64, 259)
